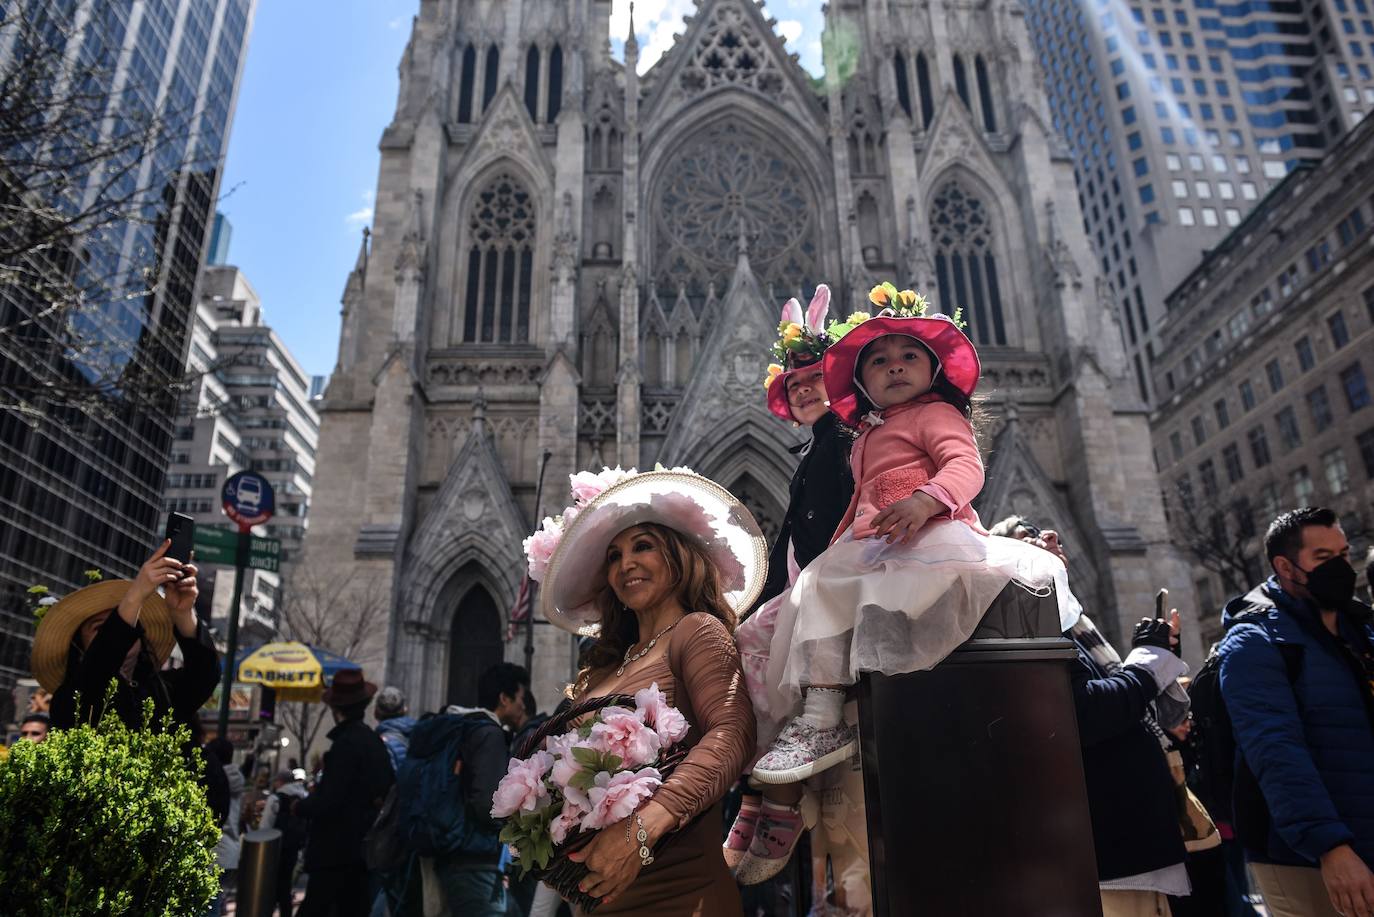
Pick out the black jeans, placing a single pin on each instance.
(340, 891)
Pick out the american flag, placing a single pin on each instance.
(523, 607)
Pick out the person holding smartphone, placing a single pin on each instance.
(123, 631)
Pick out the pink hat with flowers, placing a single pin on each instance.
(567, 555)
(904, 312)
(802, 341)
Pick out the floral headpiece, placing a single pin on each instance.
(586, 487)
(802, 339)
(894, 303)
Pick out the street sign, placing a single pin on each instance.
(265, 554)
(248, 499)
(216, 546)
(221, 546)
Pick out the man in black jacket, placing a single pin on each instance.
(357, 775)
(1131, 795)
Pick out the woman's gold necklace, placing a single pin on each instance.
(642, 653)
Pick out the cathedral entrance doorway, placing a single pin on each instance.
(475, 645)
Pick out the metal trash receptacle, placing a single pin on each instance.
(259, 854)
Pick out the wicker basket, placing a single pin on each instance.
(562, 874)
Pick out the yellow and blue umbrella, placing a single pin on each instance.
(294, 670)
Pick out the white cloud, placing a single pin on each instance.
(363, 215)
(396, 23)
(790, 30)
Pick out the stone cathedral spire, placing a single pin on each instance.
(563, 235)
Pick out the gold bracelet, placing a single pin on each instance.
(646, 856)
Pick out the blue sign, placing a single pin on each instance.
(248, 499)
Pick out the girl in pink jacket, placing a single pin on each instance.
(910, 571)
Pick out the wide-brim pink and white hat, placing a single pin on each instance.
(567, 556)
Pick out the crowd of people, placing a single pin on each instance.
(1250, 779)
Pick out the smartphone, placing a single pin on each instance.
(1161, 603)
(181, 529)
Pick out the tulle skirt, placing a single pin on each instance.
(868, 606)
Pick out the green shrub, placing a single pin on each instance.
(105, 820)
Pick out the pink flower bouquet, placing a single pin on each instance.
(571, 785)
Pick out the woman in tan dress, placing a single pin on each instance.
(658, 565)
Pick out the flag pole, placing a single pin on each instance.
(529, 613)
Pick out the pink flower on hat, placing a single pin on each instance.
(522, 789)
(622, 733)
(540, 546)
(614, 798)
(667, 721)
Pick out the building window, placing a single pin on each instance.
(1176, 444)
(1350, 228)
(1180, 189)
(1223, 415)
(1185, 217)
(1230, 457)
(1209, 216)
(1274, 373)
(1365, 443)
(1340, 335)
(1356, 390)
(1289, 434)
(468, 81)
(903, 84)
(1247, 395)
(923, 87)
(965, 265)
(1262, 303)
(1319, 407)
(1318, 256)
(1207, 474)
(1336, 471)
(491, 76)
(1269, 502)
(1288, 281)
(1199, 431)
(1306, 358)
(555, 101)
(1303, 488)
(980, 71)
(500, 268)
(1259, 447)
(532, 82)
(961, 82)
(1368, 295)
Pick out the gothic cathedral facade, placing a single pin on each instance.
(573, 264)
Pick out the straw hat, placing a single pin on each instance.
(679, 499)
(52, 643)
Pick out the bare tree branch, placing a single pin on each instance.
(343, 615)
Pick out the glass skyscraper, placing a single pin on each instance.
(1182, 114)
(82, 489)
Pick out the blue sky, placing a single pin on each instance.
(319, 85)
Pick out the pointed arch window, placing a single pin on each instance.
(923, 85)
(966, 264)
(500, 264)
(903, 82)
(555, 103)
(532, 82)
(466, 86)
(961, 82)
(490, 76)
(980, 71)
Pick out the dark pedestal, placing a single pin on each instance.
(974, 779)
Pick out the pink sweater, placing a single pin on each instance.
(924, 445)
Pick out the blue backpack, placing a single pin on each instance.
(433, 815)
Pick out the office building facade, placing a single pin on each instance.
(249, 410)
(1182, 116)
(83, 489)
(1266, 373)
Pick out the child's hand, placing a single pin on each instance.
(900, 522)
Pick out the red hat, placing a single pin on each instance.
(958, 359)
(777, 390)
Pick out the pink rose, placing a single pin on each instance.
(540, 546)
(522, 789)
(586, 486)
(624, 734)
(667, 721)
(613, 798)
(565, 821)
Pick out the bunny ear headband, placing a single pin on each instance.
(802, 338)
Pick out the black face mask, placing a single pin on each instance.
(1332, 584)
